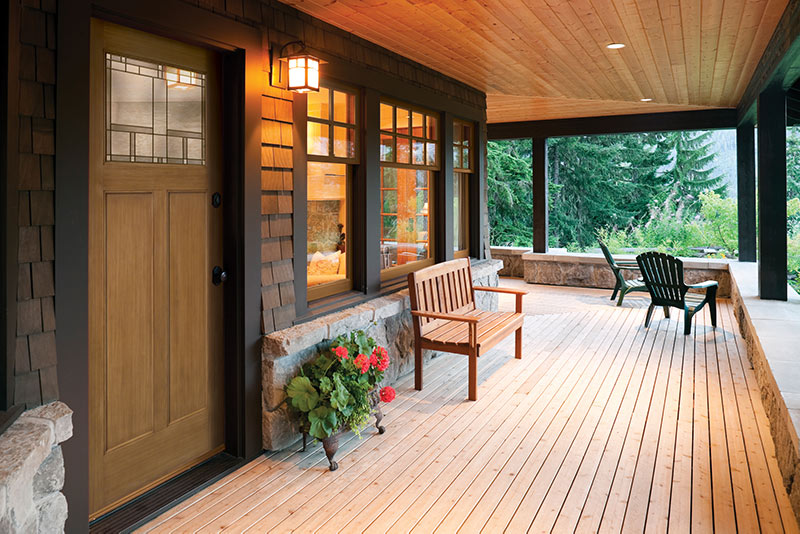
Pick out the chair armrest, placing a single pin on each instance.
(501, 290)
(433, 315)
(706, 284)
(628, 267)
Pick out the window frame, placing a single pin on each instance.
(434, 172)
(331, 123)
(339, 286)
(305, 299)
(464, 174)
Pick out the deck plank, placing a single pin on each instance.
(603, 426)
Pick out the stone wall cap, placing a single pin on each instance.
(511, 251)
(481, 268)
(25, 445)
(58, 415)
(587, 257)
(292, 339)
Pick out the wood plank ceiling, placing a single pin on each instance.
(547, 59)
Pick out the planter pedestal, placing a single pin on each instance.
(331, 443)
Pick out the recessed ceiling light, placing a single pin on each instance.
(646, 99)
(615, 46)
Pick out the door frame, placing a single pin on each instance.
(240, 46)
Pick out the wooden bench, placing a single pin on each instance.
(445, 317)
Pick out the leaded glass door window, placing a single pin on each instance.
(155, 113)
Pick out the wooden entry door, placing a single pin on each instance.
(155, 317)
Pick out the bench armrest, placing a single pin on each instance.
(706, 284)
(518, 292)
(501, 290)
(446, 317)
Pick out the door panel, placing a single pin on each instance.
(187, 305)
(129, 317)
(155, 319)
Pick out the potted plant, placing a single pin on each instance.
(338, 390)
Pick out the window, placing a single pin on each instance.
(409, 157)
(155, 113)
(332, 124)
(462, 169)
(332, 135)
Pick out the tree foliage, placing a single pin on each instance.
(510, 192)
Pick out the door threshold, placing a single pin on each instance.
(149, 505)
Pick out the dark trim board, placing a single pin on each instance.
(650, 122)
(9, 167)
(241, 46)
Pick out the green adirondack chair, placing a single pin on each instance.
(622, 286)
(663, 275)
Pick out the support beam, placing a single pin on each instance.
(707, 119)
(772, 194)
(540, 212)
(746, 190)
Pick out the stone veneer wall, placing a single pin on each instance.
(512, 260)
(771, 330)
(32, 471)
(387, 319)
(591, 270)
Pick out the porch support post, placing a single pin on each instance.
(540, 212)
(746, 190)
(444, 192)
(772, 194)
(478, 212)
(369, 195)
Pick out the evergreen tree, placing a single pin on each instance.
(601, 181)
(510, 195)
(792, 163)
(691, 171)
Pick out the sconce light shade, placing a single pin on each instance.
(303, 73)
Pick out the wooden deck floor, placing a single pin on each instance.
(602, 426)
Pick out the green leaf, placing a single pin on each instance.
(323, 422)
(304, 396)
(341, 399)
(325, 384)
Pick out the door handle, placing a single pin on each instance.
(218, 276)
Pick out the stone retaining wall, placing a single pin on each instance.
(32, 471)
(771, 330)
(512, 260)
(591, 270)
(387, 319)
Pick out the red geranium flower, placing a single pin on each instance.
(362, 360)
(387, 394)
(383, 358)
(341, 352)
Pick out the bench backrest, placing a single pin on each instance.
(441, 288)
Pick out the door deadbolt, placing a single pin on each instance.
(218, 276)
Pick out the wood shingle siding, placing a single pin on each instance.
(35, 358)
